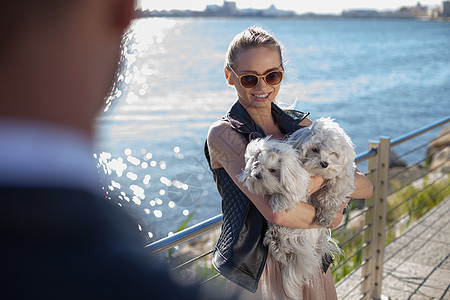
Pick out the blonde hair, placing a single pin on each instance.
(252, 37)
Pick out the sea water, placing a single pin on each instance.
(375, 77)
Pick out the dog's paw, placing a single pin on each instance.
(324, 218)
(323, 222)
(277, 253)
(273, 242)
(271, 239)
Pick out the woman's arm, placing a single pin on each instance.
(227, 150)
(363, 186)
(363, 190)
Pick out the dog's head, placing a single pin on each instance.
(325, 149)
(271, 167)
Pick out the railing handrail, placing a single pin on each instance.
(215, 222)
(365, 155)
(413, 134)
(185, 235)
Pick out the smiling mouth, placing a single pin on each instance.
(261, 96)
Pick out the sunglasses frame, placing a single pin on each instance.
(257, 76)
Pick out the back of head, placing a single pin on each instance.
(59, 58)
(17, 17)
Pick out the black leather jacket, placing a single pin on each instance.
(240, 255)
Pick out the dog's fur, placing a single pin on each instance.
(326, 150)
(273, 167)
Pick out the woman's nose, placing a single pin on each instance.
(261, 84)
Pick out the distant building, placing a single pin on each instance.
(229, 5)
(420, 11)
(445, 9)
(227, 9)
(272, 11)
(360, 13)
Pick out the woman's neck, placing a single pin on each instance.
(263, 117)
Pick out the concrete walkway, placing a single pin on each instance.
(417, 264)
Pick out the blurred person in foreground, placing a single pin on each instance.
(60, 237)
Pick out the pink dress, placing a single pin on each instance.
(271, 288)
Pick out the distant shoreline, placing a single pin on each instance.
(297, 17)
(230, 10)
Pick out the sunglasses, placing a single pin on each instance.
(251, 80)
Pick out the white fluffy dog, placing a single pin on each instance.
(327, 151)
(273, 167)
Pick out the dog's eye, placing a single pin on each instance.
(272, 170)
(316, 150)
(335, 154)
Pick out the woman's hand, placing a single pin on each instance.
(363, 186)
(315, 183)
(363, 190)
(339, 215)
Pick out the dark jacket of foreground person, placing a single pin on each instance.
(62, 243)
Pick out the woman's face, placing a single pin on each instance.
(258, 61)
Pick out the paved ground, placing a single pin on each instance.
(416, 265)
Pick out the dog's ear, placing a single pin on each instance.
(251, 154)
(293, 177)
(310, 141)
(347, 151)
(300, 137)
(242, 177)
(342, 144)
(254, 147)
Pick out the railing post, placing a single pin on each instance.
(381, 209)
(374, 237)
(369, 235)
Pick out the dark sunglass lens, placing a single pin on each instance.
(274, 78)
(249, 81)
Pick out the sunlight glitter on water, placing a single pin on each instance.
(130, 182)
(145, 42)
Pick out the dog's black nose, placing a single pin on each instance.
(258, 176)
(323, 164)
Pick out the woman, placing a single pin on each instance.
(254, 66)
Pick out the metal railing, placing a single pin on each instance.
(382, 217)
(369, 239)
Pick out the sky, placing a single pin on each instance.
(316, 6)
